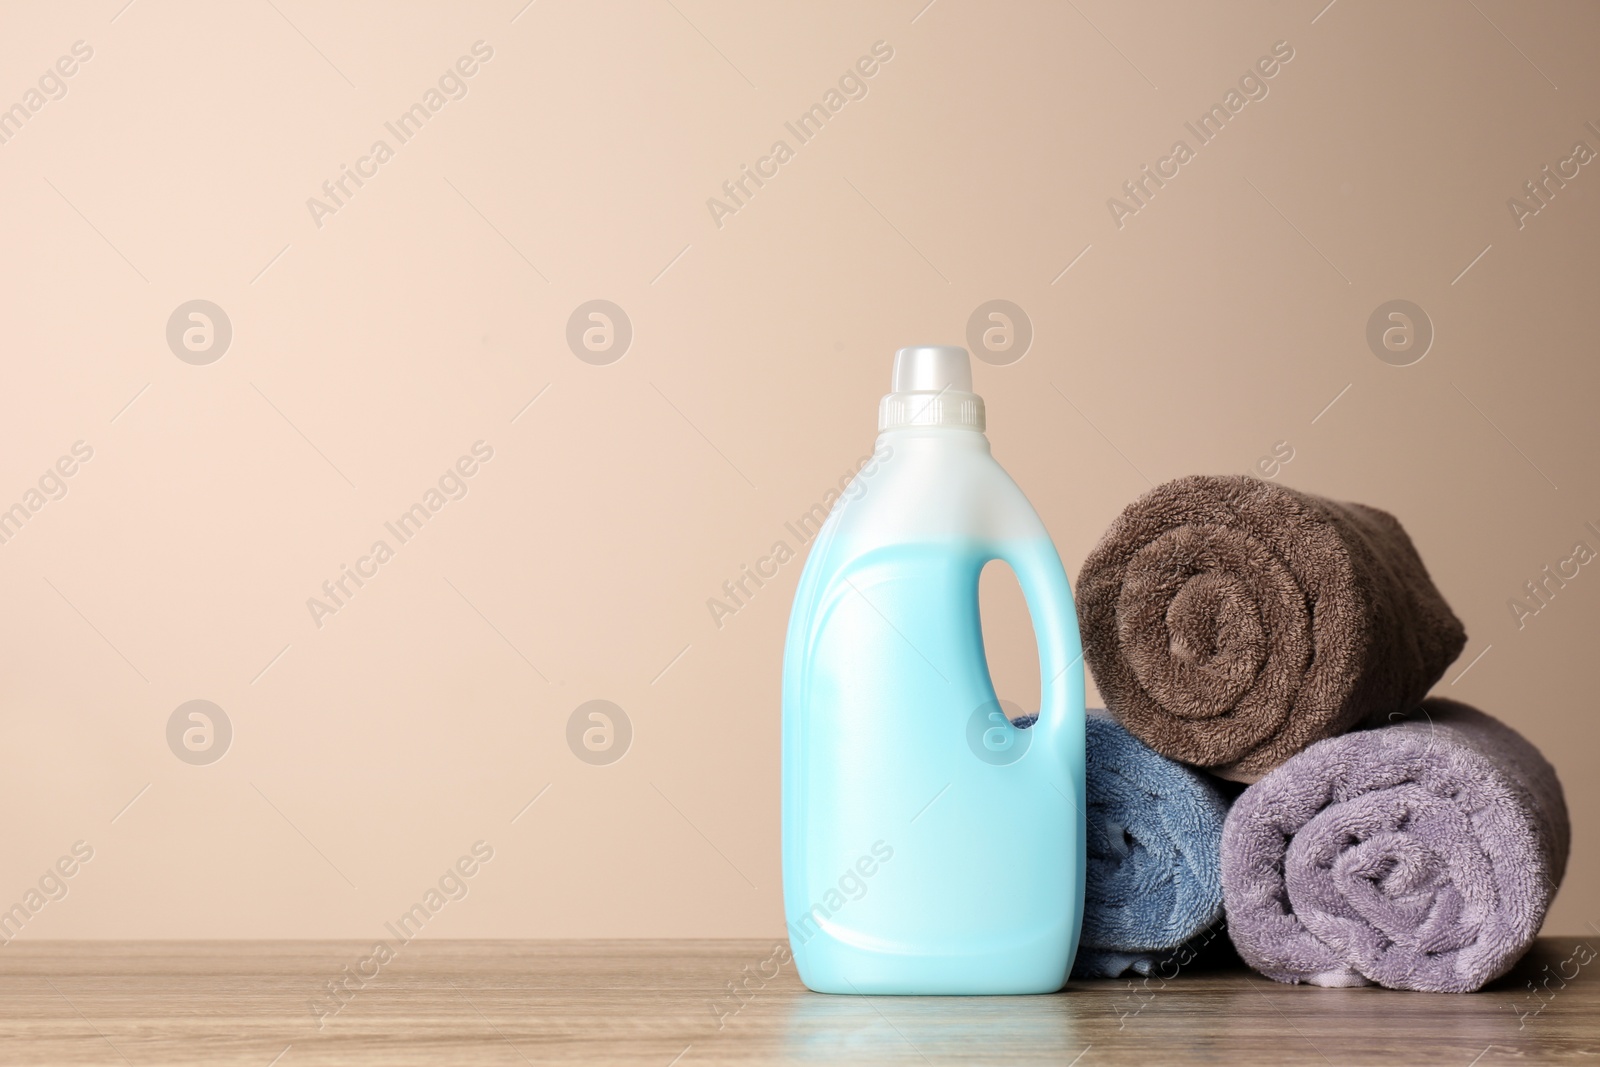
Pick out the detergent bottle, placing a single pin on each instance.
(930, 845)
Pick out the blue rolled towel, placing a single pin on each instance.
(1154, 880)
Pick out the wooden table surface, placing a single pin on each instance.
(663, 1003)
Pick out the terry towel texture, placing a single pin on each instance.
(1231, 622)
(1421, 855)
(1154, 880)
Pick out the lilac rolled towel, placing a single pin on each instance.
(1421, 855)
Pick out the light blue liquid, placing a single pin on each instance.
(884, 676)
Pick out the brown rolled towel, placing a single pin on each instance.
(1231, 622)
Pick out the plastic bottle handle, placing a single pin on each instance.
(1055, 629)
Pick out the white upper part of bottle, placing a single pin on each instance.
(932, 389)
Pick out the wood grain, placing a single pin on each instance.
(665, 1002)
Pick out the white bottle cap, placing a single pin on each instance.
(932, 388)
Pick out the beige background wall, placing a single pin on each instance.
(429, 310)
